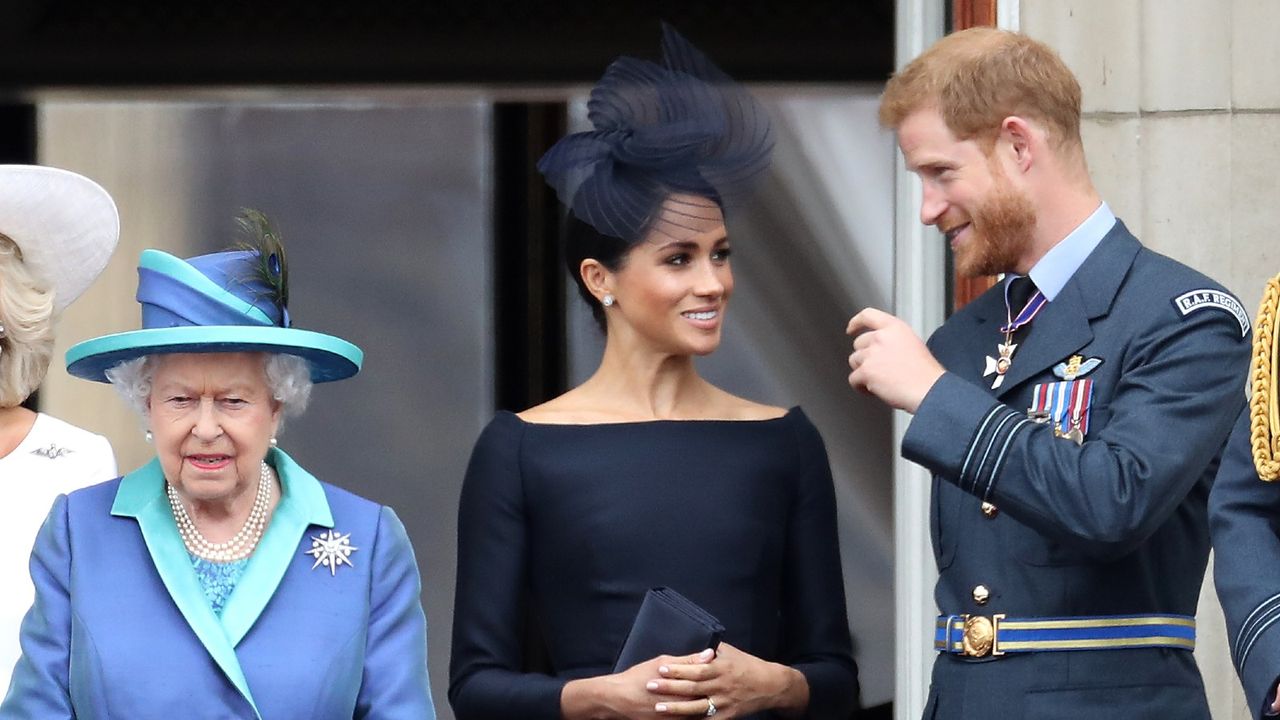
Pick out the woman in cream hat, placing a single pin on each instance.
(57, 230)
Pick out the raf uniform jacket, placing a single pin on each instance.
(1114, 526)
(1243, 516)
(121, 628)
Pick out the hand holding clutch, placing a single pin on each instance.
(668, 623)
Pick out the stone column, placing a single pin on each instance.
(130, 149)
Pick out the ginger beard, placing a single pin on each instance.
(1001, 230)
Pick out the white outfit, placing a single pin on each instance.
(55, 458)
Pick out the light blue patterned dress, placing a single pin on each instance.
(217, 579)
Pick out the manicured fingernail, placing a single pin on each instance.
(651, 685)
(659, 708)
(706, 654)
(663, 670)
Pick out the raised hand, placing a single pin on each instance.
(890, 361)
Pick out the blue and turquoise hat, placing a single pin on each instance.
(220, 302)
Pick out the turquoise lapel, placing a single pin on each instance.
(141, 496)
(301, 505)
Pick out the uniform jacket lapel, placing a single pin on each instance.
(1060, 329)
(141, 496)
(1063, 326)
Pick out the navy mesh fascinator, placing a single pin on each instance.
(681, 127)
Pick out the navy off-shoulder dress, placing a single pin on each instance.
(566, 526)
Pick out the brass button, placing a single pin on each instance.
(981, 594)
(989, 510)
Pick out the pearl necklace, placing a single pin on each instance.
(238, 547)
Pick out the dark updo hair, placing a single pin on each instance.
(582, 241)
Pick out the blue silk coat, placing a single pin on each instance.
(121, 628)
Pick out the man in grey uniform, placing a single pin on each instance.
(1244, 520)
(1072, 416)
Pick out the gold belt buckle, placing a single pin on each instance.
(980, 634)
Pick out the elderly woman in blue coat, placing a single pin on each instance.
(221, 579)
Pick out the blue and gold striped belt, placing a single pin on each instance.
(981, 635)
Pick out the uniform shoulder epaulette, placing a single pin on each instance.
(1264, 405)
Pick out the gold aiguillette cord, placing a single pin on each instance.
(1264, 372)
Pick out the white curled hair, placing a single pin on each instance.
(27, 318)
(288, 377)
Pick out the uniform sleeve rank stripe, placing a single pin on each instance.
(1267, 608)
(995, 437)
(989, 439)
(973, 444)
(995, 469)
(1248, 648)
(1263, 608)
(1189, 302)
(1256, 632)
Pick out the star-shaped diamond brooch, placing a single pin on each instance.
(331, 549)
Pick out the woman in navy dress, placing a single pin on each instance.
(646, 474)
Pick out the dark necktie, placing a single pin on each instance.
(1022, 304)
(1020, 291)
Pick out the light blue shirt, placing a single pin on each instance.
(1063, 260)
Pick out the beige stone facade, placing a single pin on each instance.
(143, 150)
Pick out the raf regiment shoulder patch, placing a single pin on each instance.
(1189, 302)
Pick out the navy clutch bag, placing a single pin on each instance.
(668, 623)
